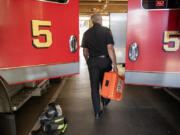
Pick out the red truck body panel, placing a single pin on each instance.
(17, 50)
(146, 27)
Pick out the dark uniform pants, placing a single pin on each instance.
(97, 67)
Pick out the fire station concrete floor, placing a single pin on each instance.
(142, 111)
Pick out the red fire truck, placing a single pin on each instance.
(38, 40)
(153, 43)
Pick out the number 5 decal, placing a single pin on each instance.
(167, 39)
(37, 32)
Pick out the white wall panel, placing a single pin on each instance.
(118, 22)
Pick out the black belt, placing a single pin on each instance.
(101, 56)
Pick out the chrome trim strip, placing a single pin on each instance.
(54, 2)
(36, 73)
(161, 72)
(7, 68)
(158, 79)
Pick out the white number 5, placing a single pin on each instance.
(36, 32)
(167, 39)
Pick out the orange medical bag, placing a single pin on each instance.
(113, 86)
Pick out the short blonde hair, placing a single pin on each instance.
(96, 18)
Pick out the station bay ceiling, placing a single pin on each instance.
(102, 6)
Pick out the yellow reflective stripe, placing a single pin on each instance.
(58, 120)
(44, 128)
(64, 128)
(60, 126)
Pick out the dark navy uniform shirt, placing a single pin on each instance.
(96, 40)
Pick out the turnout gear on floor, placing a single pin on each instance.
(52, 121)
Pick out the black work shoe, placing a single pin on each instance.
(105, 103)
(98, 115)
